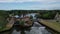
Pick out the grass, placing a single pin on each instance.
(3, 22)
(53, 25)
(3, 29)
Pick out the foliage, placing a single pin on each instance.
(37, 15)
(3, 21)
(48, 15)
(45, 14)
(22, 22)
(31, 17)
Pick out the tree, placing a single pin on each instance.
(31, 17)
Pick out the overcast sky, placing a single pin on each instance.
(29, 4)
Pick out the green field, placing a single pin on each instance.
(45, 14)
(3, 21)
(53, 25)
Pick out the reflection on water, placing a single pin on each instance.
(34, 30)
(33, 14)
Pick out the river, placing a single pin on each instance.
(35, 29)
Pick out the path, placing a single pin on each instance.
(10, 24)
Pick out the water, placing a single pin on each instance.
(39, 29)
(31, 14)
(35, 29)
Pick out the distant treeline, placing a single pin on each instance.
(43, 13)
(29, 11)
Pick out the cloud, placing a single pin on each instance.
(18, 0)
(45, 6)
(44, 1)
(31, 4)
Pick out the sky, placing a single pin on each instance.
(29, 4)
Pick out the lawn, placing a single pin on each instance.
(53, 25)
(3, 22)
